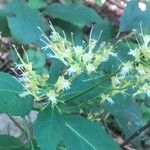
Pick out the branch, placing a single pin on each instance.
(16, 123)
(135, 134)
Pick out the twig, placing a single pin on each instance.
(29, 134)
(16, 123)
(135, 134)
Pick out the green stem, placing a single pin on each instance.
(28, 134)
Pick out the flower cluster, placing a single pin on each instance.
(37, 85)
(76, 58)
(32, 81)
(136, 73)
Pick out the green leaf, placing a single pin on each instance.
(36, 57)
(36, 4)
(23, 22)
(122, 50)
(56, 70)
(79, 15)
(127, 113)
(10, 143)
(105, 29)
(69, 28)
(86, 88)
(4, 26)
(133, 16)
(81, 134)
(10, 100)
(48, 129)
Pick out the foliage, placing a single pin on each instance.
(72, 78)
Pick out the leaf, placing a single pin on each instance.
(81, 134)
(79, 15)
(36, 4)
(48, 129)
(104, 29)
(10, 143)
(69, 28)
(114, 62)
(23, 22)
(4, 26)
(127, 113)
(86, 88)
(133, 16)
(56, 69)
(10, 101)
(36, 57)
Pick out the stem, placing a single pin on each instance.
(17, 124)
(135, 134)
(29, 134)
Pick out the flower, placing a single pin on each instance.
(105, 59)
(62, 84)
(74, 68)
(52, 97)
(145, 50)
(126, 68)
(66, 85)
(124, 71)
(141, 72)
(115, 81)
(132, 52)
(135, 53)
(77, 58)
(90, 68)
(24, 94)
(71, 71)
(114, 54)
(32, 82)
(78, 51)
(92, 44)
(110, 100)
(142, 6)
(107, 97)
(148, 93)
(87, 57)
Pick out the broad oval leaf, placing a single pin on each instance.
(78, 15)
(23, 22)
(81, 134)
(48, 129)
(8, 142)
(10, 100)
(103, 32)
(127, 113)
(133, 16)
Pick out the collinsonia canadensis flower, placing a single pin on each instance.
(62, 84)
(76, 58)
(136, 73)
(36, 85)
(32, 81)
(52, 96)
(106, 97)
(126, 68)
